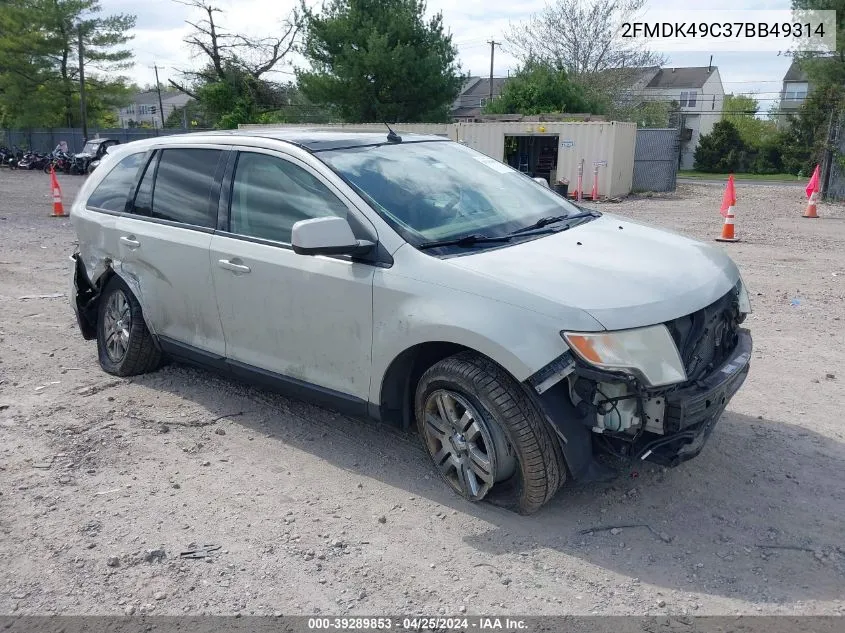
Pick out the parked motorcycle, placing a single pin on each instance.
(59, 161)
(33, 160)
(10, 157)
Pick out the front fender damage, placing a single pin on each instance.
(548, 389)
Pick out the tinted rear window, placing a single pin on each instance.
(112, 192)
(183, 184)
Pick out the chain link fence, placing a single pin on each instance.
(656, 159)
(45, 140)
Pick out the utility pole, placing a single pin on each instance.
(158, 88)
(493, 45)
(82, 105)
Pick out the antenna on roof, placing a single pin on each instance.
(710, 64)
(392, 137)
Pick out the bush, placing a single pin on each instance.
(722, 150)
(769, 158)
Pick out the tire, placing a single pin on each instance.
(524, 468)
(124, 351)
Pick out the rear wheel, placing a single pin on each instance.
(124, 344)
(485, 437)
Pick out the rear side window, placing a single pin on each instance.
(144, 198)
(112, 192)
(269, 195)
(183, 183)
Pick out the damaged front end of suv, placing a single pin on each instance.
(652, 393)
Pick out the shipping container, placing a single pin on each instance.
(602, 151)
(557, 151)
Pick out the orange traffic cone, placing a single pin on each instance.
(58, 207)
(728, 228)
(810, 212)
(812, 191)
(727, 210)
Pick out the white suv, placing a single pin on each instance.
(415, 281)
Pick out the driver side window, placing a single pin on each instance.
(270, 194)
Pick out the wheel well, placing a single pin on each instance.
(402, 376)
(99, 286)
(88, 297)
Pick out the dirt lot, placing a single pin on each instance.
(104, 481)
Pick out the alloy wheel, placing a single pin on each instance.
(117, 323)
(470, 454)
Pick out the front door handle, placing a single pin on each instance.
(233, 265)
(130, 241)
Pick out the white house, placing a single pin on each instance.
(796, 87)
(699, 93)
(144, 108)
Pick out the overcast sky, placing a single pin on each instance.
(161, 28)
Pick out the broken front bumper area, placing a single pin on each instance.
(692, 411)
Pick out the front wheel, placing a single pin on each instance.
(124, 344)
(485, 437)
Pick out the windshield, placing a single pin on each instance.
(90, 148)
(441, 190)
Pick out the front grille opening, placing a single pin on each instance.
(707, 337)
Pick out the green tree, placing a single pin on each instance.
(805, 140)
(648, 113)
(26, 92)
(39, 60)
(582, 37)
(380, 60)
(722, 151)
(230, 87)
(537, 88)
(741, 110)
(825, 103)
(64, 23)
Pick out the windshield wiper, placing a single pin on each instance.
(552, 220)
(466, 240)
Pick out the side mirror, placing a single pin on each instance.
(543, 182)
(330, 235)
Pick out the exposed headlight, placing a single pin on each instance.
(744, 299)
(649, 353)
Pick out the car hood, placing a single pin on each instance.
(624, 274)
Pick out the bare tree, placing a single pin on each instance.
(582, 37)
(224, 51)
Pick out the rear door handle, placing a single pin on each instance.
(131, 242)
(234, 266)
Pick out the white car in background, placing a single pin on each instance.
(418, 282)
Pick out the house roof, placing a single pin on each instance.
(475, 88)
(468, 101)
(795, 73)
(630, 75)
(151, 98)
(690, 77)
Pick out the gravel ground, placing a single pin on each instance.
(103, 482)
